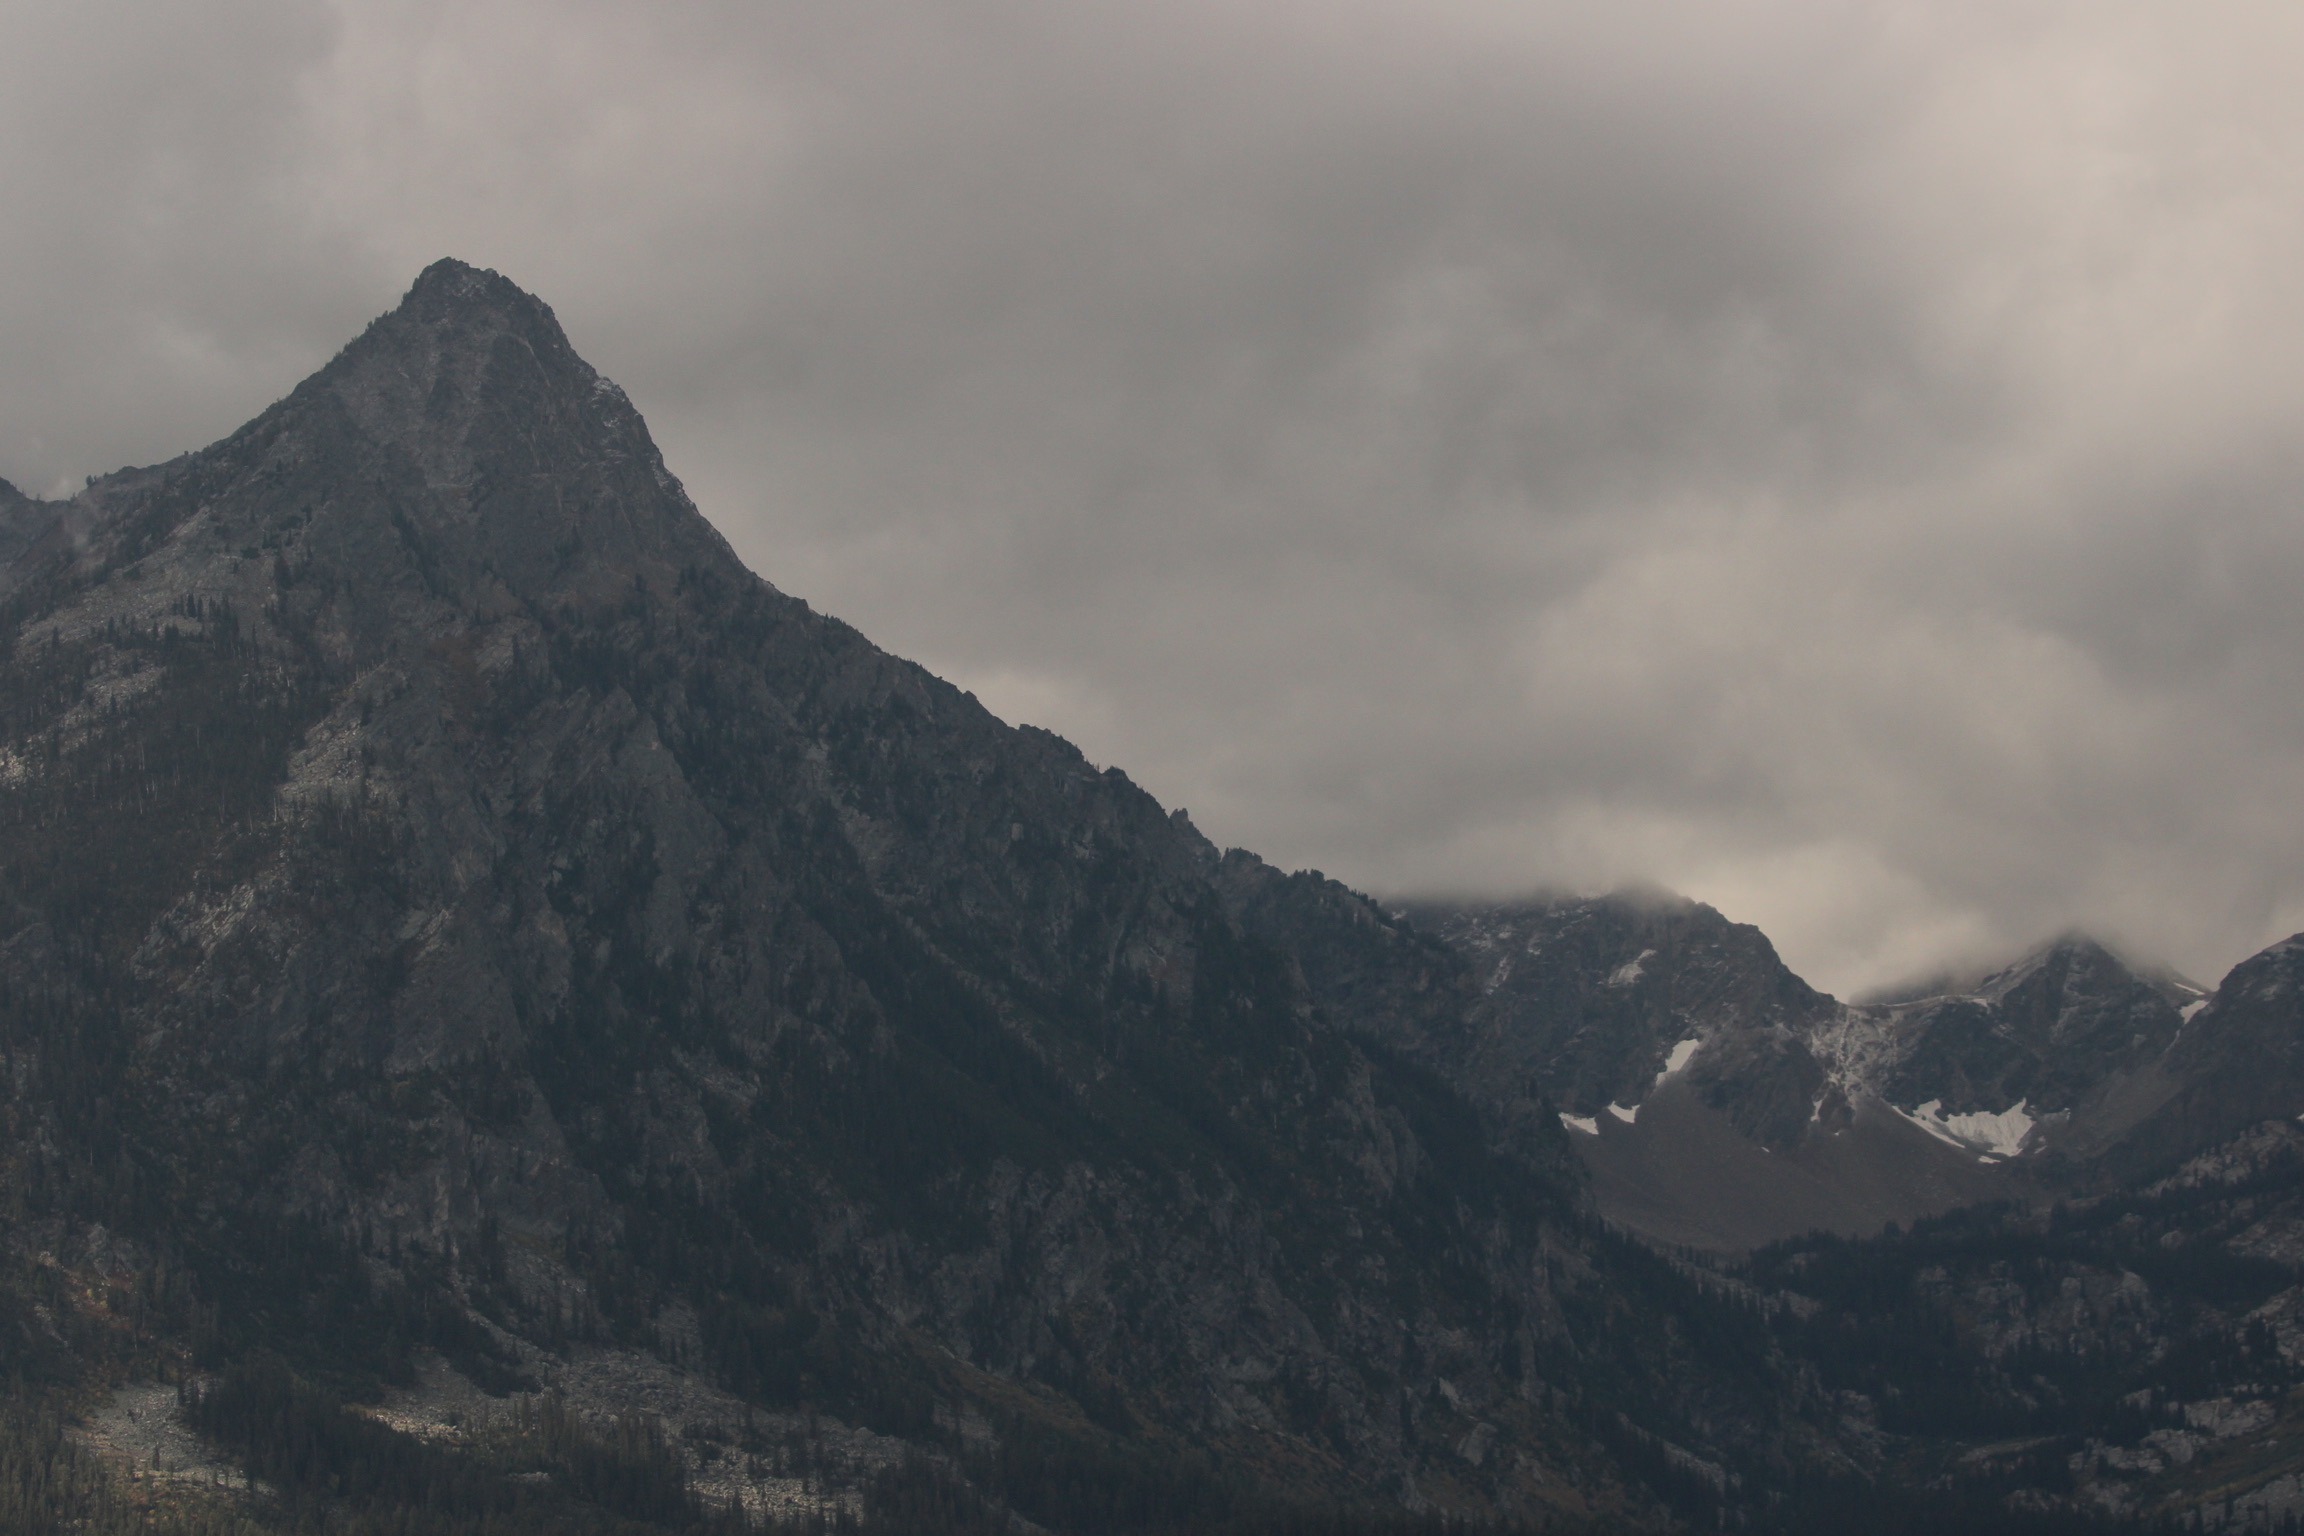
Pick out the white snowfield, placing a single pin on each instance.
(1994, 1133)
(1859, 1048)
(1682, 1054)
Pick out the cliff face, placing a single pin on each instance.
(1597, 1002)
(1720, 1101)
(2235, 1061)
(448, 901)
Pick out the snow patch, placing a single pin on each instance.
(1623, 1114)
(1682, 1054)
(2189, 1009)
(1585, 1123)
(1999, 1132)
(1629, 972)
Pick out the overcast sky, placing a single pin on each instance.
(1836, 459)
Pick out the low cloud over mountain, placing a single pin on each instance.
(1837, 462)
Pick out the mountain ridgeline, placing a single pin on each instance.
(450, 906)
(518, 1024)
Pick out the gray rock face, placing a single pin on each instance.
(1719, 1101)
(2235, 1063)
(472, 896)
(1664, 1049)
(1706, 1088)
(1592, 1003)
(2048, 1030)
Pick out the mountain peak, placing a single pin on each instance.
(457, 295)
(449, 281)
(434, 803)
(457, 459)
(502, 445)
(2073, 955)
(2079, 963)
(455, 313)
(2068, 954)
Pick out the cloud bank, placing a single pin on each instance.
(1837, 460)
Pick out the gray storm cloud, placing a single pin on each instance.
(1837, 460)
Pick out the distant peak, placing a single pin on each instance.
(2071, 958)
(2069, 947)
(1975, 979)
(1639, 900)
(2084, 950)
(1642, 896)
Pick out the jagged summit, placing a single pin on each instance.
(530, 462)
(465, 311)
(2074, 957)
(458, 461)
(1592, 997)
(493, 895)
(449, 283)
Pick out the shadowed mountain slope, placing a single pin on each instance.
(2236, 1061)
(449, 905)
(1721, 1102)
(2046, 1030)
(1692, 1070)
(461, 933)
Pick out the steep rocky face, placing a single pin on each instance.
(1595, 1003)
(448, 899)
(1705, 1087)
(24, 523)
(1720, 1102)
(2045, 1031)
(1370, 970)
(1389, 981)
(2236, 1062)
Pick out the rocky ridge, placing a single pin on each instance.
(462, 935)
(1722, 1102)
(449, 904)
